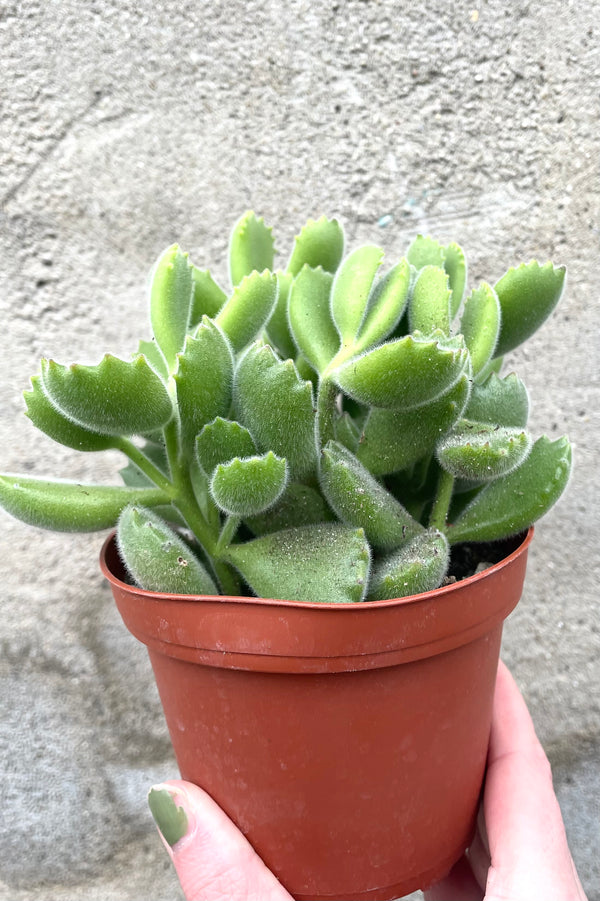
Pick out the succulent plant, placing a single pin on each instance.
(322, 433)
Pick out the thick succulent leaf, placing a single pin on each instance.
(251, 247)
(114, 398)
(49, 420)
(325, 563)
(299, 505)
(151, 351)
(320, 243)
(455, 264)
(499, 401)
(420, 566)
(425, 251)
(221, 441)
(395, 439)
(429, 306)
(405, 373)
(513, 503)
(527, 296)
(351, 288)
(359, 500)
(207, 296)
(346, 431)
(278, 329)
(277, 407)
(479, 451)
(386, 305)
(249, 308)
(248, 487)
(157, 558)
(494, 365)
(480, 325)
(70, 506)
(170, 302)
(310, 319)
(204, 380)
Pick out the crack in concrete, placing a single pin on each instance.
(46, 154)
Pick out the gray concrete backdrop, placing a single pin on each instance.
(127, 126)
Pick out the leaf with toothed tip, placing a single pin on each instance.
(251, 247)
(480, 325)
(157, 558)
(170, 302)
(115, 397)
(207, 296)
(48, 419)
(324, 563)
(386, 304)
(310, 317)
(478, 451)
(429, 305)
(320, 243)
(351, 288)
(222, 440)
(419, 566)
(249, 308)
(249, 486)
(514, 502)
(499, 401)
(527, 296)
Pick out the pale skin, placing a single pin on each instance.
(520, 851)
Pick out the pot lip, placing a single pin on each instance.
(442, 591)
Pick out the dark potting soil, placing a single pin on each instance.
(468, 559)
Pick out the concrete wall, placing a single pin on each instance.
(126, 126)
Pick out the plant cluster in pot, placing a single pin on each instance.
(316, 458)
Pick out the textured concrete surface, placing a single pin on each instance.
(126, 126)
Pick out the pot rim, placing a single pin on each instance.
(439, 592)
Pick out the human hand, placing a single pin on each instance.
(520, 851)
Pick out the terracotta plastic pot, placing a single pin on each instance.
(348, 742)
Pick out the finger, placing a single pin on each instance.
(213, 860)
(527, 842)
(479, 852)
(459, 884)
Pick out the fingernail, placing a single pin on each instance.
(169, 815)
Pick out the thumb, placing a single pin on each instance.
(213, 860)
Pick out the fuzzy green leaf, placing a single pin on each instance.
(207, 296)
(455, 265)
(204, 380)
(405, 373)
(277, 407)
(387, 302)
(351, 288)
(359, 500)
(527, 296)
(248, 487)
(278, 329)
(395, 439)
(346, 432)
(481, 452)
(70, 506)
(499, 401)
(114, 398)
(133, 476)
(221, 441)
(310, 317)
(299, 505)
(249, 308)
(420, 566)
(480, 325)
(170, 302)
(320, 243)
(49, 420)
(157, 558)
(152, 352)
(425, 251)
(325, 563)
(513, 503)
(429, 306)
(251, 247)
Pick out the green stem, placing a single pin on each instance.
(147, 466)
(441, 505)
(227, 533)
(326, 412)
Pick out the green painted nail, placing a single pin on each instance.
(170, 819)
